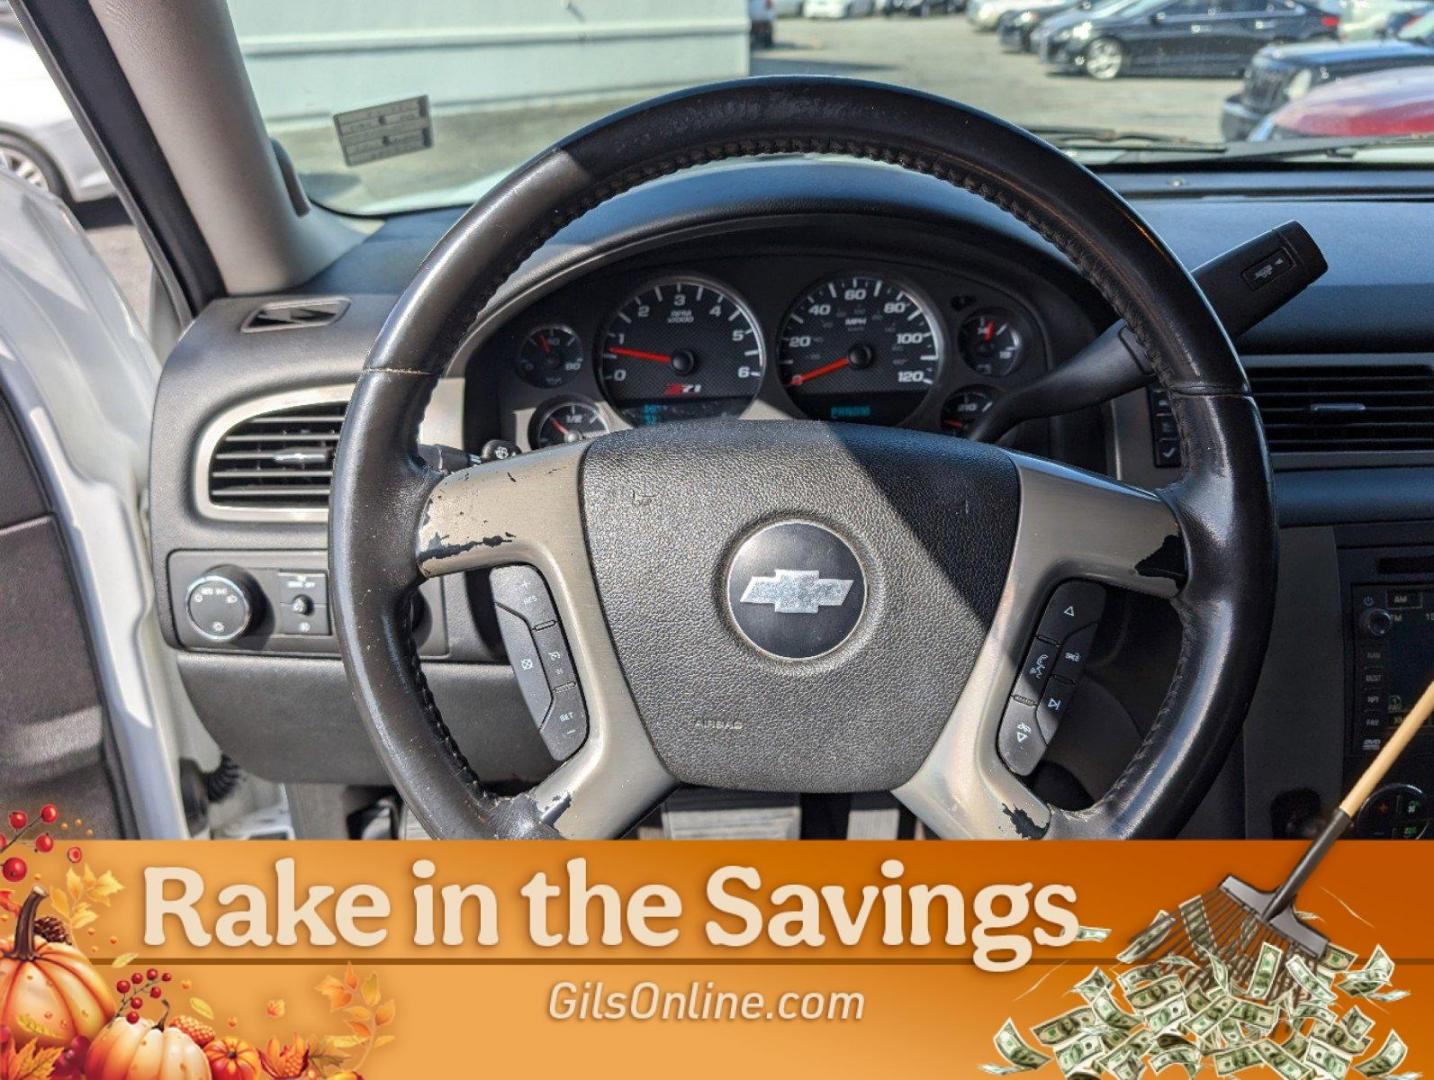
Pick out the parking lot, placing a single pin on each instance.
(942, 54)
(945, 55)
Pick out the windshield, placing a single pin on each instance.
(386, 107)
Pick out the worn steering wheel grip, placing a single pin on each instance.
(1223, 502)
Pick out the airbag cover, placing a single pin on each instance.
(930, 519)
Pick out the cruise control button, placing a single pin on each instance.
(1073, 606)
(523, 655)
(553, 652)
(1071, 660)
(1037, 669)
(566, 727)
(1054, 703)
(1019, 741)
(520, 589)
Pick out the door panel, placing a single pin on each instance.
(52, 718)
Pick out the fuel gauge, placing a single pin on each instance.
(567, 422)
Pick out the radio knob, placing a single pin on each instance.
(222, 605)
(1375, 622)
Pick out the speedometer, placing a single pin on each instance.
(681, 348)
(860, 348)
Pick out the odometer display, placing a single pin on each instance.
(680, 349)
(859, 348)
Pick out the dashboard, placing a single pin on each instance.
(812, 289)
(772, 331)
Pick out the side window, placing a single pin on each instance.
(1186, 8)
(1236, 7)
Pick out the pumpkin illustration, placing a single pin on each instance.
(231, 1058)
(144, 1050)
(48, 991)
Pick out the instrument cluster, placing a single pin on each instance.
(862, 344)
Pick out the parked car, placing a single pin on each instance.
(1183, 37)
(1279, 76)
(39, 139)
(922, 7)
(1360, 20)
(986, 14)
(837, 9)
(763, 16)
(1016, 29)
(1400, 19)
(1399, 102)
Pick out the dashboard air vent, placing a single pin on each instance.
(294, 314)
(1366, 408)
(278, 460)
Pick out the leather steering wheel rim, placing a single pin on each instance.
(1222, 503)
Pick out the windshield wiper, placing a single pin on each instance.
(1327, 148)
(1075, 137)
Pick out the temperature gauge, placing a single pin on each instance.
(993, 343)
(963, 407)
(567, 422)
(549, 356)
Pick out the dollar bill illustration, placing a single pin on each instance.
(1267, 966)
(1187, 1056)
(1065, 1027)
(1327, 1059)
(1339, 1037)
(1335, 958)
(1193, 1008)
(1094, 984)
(1391, 1055)
(1092, 933)
(1237, 1059)
(1197, 923)
(1071, 1057)
(1257, 1015)
(1308, 981)
(1151, 996)
(1112, 1015)
(1282, 1061)
(1149, 939)
(1019, 1056)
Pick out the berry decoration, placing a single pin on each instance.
(48, 813)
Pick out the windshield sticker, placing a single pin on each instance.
(384, 131)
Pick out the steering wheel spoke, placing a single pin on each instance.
(527, 510)
(1074, 526)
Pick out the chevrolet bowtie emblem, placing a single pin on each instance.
(796, 592)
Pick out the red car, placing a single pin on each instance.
(1395, 102)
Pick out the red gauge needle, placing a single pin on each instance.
(817, 373)
(638, 354)
(561, 430)
(543, 342)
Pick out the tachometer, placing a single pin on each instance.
(860, 348)
(681, 348)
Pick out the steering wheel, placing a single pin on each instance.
(899, 576)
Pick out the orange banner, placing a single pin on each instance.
(441, 959)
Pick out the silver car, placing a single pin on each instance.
(985, 14)
(39, 139)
